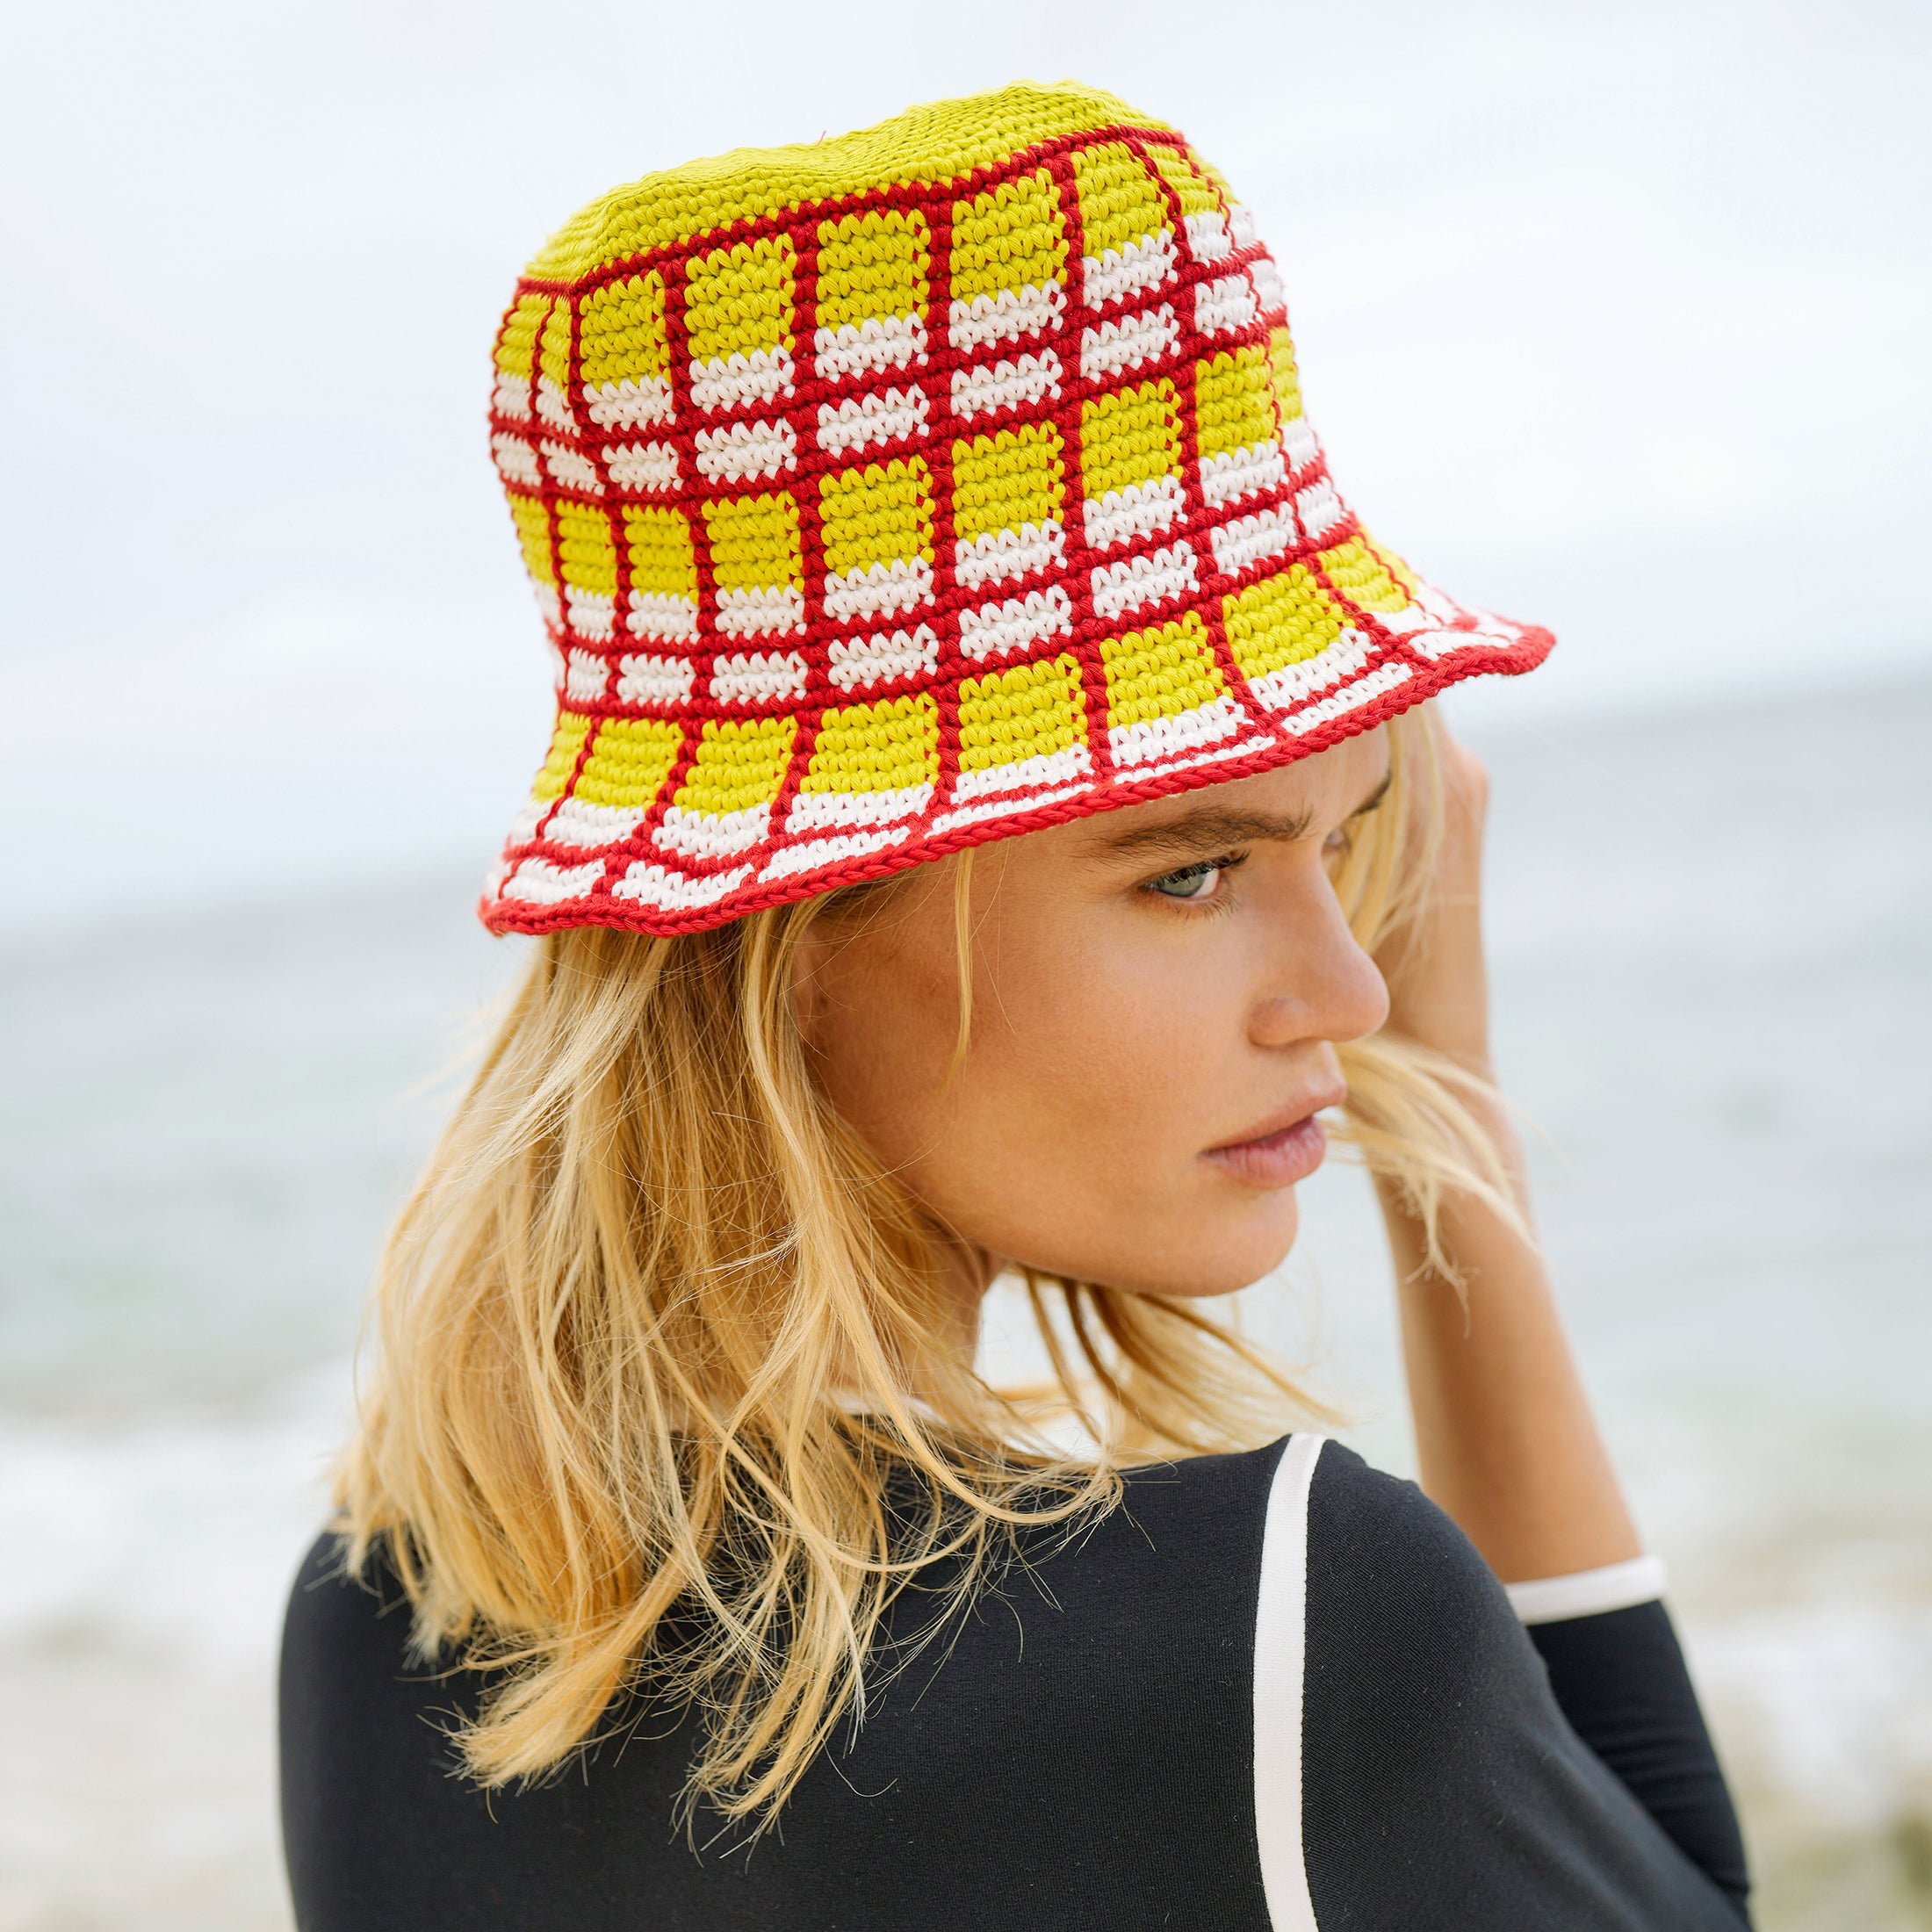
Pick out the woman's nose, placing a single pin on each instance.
(1319, 984)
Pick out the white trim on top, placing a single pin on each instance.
(1589, 1593)
(1280, 1643)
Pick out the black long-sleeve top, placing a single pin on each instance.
(1271, 1692)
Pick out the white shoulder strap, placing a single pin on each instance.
(1280, 1646)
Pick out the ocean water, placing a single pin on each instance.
(1713, 947)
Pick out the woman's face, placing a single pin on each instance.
(1156, 995)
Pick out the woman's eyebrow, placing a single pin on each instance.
(1210, 825)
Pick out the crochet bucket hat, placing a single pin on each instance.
(919, 488)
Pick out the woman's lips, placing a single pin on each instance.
(1279, 1159)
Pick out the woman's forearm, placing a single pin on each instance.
(1505, 1438)
(1504, 1434)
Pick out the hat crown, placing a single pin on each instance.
(932, 145)
(894, 492)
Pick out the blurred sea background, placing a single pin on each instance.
(1613, 319)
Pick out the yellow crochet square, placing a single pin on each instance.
(1234, 402)
(1011, 238)
(739, 300)
(880, 515)
(659, 549)
(553, 354)
(757, 565)
(1033, 710)
(754, 543)
(1131, 436)
(1122, 206)
(892, 746)
(1160, 672)
(873, 267)
(517, 345)
(1197, 194)
(1007, 480)
(741, 764)
(532, 522)
(1280, 621)
(621, 333)
(565, 743)
(586, 549)
(1364, 579)
(629, 760)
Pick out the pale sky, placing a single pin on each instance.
(1616, 317)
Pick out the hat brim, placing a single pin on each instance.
(1382, 665)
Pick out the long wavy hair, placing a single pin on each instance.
(654, 1330)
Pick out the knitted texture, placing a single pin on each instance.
(936, 483)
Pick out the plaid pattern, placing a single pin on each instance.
(916, 488)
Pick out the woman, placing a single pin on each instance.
(993, 816)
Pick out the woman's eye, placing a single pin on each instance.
(1191, 882)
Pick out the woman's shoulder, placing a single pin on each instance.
(1375, 1533)
(1395, 1612)
(1378, 1536)
(1387, 1589)
(1373, 1569)
(344, 1619)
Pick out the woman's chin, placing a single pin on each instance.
(1224, 1255)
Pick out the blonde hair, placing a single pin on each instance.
(654, 1330)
